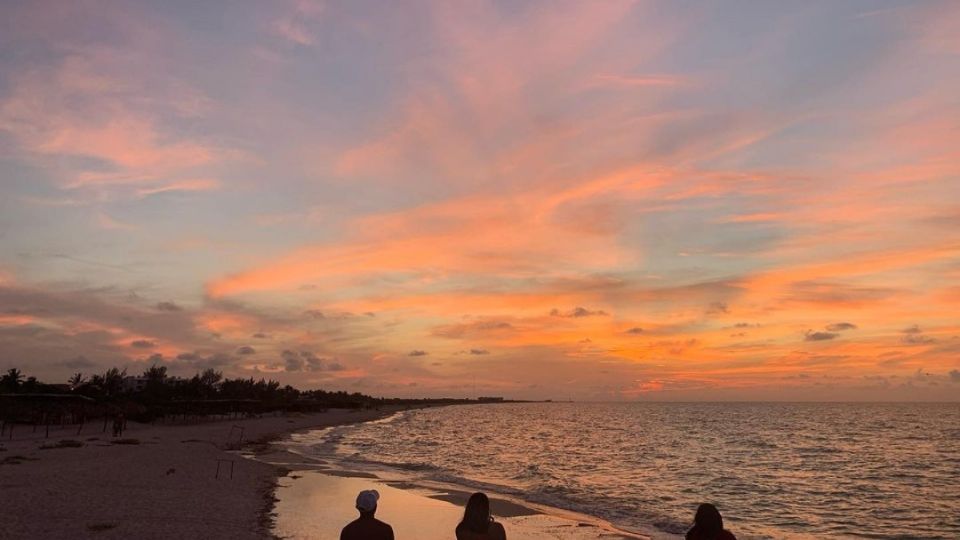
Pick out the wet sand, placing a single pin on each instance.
(316, 504)
(162, 484)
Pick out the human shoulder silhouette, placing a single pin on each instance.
(477, 523)
(708, 525)
(367, 527)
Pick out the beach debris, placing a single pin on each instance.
(97, 527)
(125, 441)
(65, 443)
(224, 462)
(16, 460)
(234, 438)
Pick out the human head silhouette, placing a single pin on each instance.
(476, 516)
(367, 501)
(707, 522)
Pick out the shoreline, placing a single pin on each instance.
(316, 505)
(156, 481)
(313, 499)
(161, 481)
(255, 449)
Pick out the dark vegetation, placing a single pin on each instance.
(154, 395)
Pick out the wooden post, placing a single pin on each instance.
(239, 430)
(219, 461)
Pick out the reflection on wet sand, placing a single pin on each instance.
(317, 505)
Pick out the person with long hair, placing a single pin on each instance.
(477, 523)
(708, 525)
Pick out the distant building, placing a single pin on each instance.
(134, 384)
(489, 399)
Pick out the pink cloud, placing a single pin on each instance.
(297, 26)
(197, 184)
(105, 104)
(107, 222)
(639, 81)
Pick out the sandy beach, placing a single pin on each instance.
(162, 484)
(316, 499)
(162, 481)
(316, 505)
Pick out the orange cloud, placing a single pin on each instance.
(867, 263)
(16, 320)
(536, 159)
(518, 237)
(753, 218)
(229, 324)
(639, 80)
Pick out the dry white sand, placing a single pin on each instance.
(164, 487)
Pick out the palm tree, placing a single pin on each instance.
(95, 385)
(11, 379)
(210, 377)
(113, 381)
(76, 380)
(155, 373)
(156, 387)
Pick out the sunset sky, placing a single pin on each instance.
(589, 200)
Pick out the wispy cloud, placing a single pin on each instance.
(199, 184)
(578, 312)
(841, 326)
(107, 222)
(298, 24)
(819, 336)
(549, 199)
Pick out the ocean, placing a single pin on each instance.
(775, 470)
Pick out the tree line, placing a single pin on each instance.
(155, 388)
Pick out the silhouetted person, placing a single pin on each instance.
(477, 523)
(708, 525)
(367, 527)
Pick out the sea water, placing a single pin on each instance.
(775, 470)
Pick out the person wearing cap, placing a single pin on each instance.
(367, 527)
